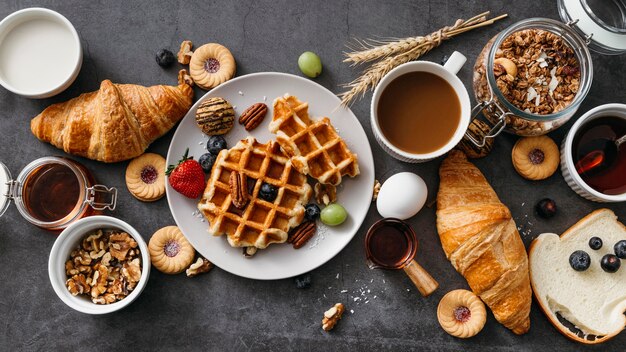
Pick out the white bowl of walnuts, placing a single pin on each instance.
(99, 265)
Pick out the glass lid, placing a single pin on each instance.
(601, 22)
(5, 177)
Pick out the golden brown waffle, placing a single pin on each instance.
(259, 223)
(315, 147)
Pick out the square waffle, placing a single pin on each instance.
(315, 147)
(260, 222)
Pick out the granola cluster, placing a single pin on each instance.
(547, 71)
(537, 71)
(105, 266)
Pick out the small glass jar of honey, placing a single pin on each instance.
(53, 192)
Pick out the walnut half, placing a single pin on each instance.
(332, 316)
(199, 267)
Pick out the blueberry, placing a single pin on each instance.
(610, 263)
(165, 58)
(546, 208)
(579, 260)
(595, 243)
(312, 212)
(620, 249)
(215, 144)
(303, 281)
(268, 192)
(206, 161)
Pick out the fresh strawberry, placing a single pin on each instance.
(187, 177)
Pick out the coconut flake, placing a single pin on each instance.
(532, 93)
(537, 100)
(553, 80)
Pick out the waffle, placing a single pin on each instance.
(259, 223)
(315, 147)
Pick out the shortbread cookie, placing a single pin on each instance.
(170, 252)
(211, 65)
(215, 116)
(461, 313)
(145, 177)
(535, 158)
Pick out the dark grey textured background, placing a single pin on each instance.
(222, 312)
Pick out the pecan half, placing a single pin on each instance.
(253, 116)
(238, 189)
(300, 235)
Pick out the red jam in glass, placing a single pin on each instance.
(598, 162)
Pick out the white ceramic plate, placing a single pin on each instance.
(278, 261)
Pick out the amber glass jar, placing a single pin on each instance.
(53, 192)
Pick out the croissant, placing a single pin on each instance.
(116, 123)
(481, 241)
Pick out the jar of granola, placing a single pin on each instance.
(531, 78)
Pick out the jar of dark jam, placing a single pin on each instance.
(53, 192)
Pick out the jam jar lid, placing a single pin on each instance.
(5, 180)
(601, 22)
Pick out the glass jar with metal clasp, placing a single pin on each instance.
(53, 192)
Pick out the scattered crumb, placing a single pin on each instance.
(264, 98)
(337, 277)
(344, 291)
(351, 311)
(240, 93)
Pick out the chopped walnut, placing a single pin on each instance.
(77, 285)
(132, 271)
(376, 190)
(199, 267)
(120, 244)
(332, 316)
(184, 54)
(106, 266)
(184, 77)
(325, 194)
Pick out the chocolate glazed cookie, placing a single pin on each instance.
(215, 116)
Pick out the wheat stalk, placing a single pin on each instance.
(394, 53)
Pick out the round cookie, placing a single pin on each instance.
(535, 158)
(145, 177)
(461, 313)
(211, 65)
(170, 252)
(215, 116)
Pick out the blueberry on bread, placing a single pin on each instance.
(585, 305)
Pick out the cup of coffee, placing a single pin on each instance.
(421, 110)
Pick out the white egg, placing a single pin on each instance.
(401, 196)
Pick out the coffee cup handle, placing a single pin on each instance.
(455, 62)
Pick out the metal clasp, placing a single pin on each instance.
(95, 195)
(11, 185)
(495, 129)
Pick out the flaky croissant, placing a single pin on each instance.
(481, 241)
(115, 123)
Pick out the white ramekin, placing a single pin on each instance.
(447, 72)
(34, 14)
(567, 159)
(68, 240)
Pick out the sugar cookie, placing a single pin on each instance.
(535, 158)
(145, 177)
(211, 65)
(170, 252)
(461, 313)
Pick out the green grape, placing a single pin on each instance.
(333, 215)
(310, 64)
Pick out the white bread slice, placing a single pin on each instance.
(593, 300)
